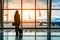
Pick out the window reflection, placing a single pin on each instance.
(55, 34)
(28, 34)
(9, 34)
(41, 34)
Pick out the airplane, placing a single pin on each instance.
(55, 20)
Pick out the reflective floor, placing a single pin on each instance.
(32, 38)
(32, 35)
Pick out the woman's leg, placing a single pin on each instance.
(16, 29)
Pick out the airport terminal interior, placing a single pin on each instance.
(39, 19)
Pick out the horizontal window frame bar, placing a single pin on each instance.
(29, 28)
(32, 35)
(30, 9)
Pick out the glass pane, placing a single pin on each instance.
(56, 4)
(41, 18)
(28, 4)
(55, 19)
(12, 4)
(9, 34)
(28, 18)
(41, 34)
(41, 4)
(8, 17)
(55, 34)
(28, 34)
(5, 4)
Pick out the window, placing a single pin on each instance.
(34, 15)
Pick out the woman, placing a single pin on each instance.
(17, 24)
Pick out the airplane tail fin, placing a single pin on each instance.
(39, 12)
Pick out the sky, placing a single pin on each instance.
(30, 4)
(56, 5)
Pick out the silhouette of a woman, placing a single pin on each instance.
(17, 22)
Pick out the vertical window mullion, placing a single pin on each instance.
(21, 17)
(35, 19)
(1, 11)
(49, 20)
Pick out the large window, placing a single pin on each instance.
(32, 12)
(35, 19)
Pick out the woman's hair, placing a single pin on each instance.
(16, 12)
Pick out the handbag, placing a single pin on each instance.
(13, 24)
